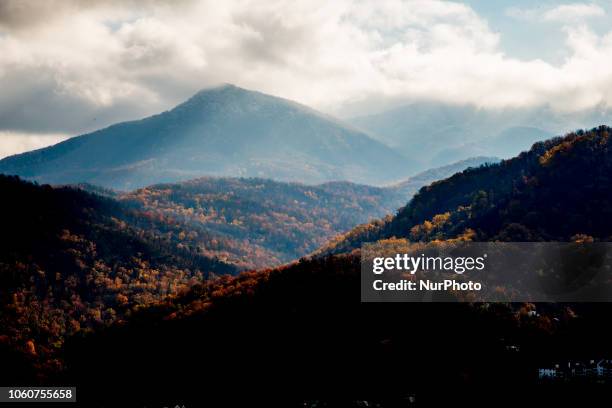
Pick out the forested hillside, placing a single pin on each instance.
(558, 189)
(76, 259)
(73, 262)
(304, 324)
(311, 312)
(256, 223)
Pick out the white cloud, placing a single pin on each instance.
(573, 12)
(564, 13)
(14, 142)
(77, 65)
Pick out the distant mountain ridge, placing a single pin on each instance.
(255, 223)
(557, 190)
(435, 133)
(413, 184)
(222, 131)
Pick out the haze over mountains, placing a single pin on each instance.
(434, 134)
(228, 131)
(222, 131)
(413, 184)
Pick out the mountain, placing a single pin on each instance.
(223, 131)
(423, 125)
(303, 322)
(305, 325)
(507, 143)
(412, 185)
(77, 259)
(72, 261)
(557, 190)
(434, 134)
(255, 223)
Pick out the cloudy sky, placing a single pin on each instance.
(71, 66)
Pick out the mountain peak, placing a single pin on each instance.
(224, 88)
(220, 131)
(223, 97)
(219, 88)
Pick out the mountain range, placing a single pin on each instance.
(128, 275)
(228, 131)
(304, 323)
(520, 199)
(76, 259)
(222, 131)
(433, 134)
(181, 274)
(256, 223)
